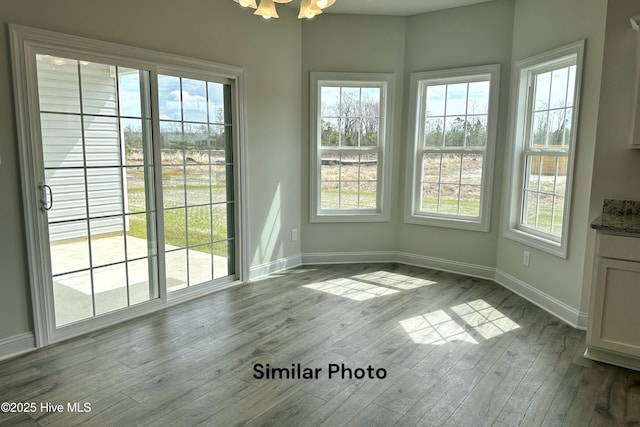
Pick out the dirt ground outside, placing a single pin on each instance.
(451, 184)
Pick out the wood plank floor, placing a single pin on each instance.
(456, 351)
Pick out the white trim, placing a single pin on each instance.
(30, 205)
(258, 271)
(612, 358)
(242, 156)
(457, 267)
(537, 242)
(413, 172)
(440, 264)
(514, 165)
(564, 312)
(17, 345)
(386, 82)
(348, 257)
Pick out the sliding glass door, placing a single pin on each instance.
(137, 189)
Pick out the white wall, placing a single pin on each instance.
(219, 31)
(539, 26)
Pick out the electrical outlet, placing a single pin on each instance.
(294, 234)
(525, 258)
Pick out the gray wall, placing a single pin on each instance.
(616, 168)
(278, 57)
(481, 34)
(539, 26)
(212, 30)
(352, 43)
(467, 36)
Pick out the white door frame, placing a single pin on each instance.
(25, 43)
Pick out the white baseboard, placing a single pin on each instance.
(583, 320)
(348, 257)
(613, 358)
(17, 345)
(265, 269)
(463, 268)
(563, 311)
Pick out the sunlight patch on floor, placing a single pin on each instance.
(351, 289)
(435, 328)
(394, 280)
(484, 319)
(439, 327)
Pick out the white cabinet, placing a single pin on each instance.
(613, 335)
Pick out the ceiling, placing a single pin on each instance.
(395, 7)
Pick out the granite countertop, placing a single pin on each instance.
(621, 216)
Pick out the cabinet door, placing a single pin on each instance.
(616, 323)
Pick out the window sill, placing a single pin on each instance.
(458, 223)
(545, 245)
(349, 218)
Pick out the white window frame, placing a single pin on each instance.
(386, 83)
(415, 150)
(25, 43)
(523, 73)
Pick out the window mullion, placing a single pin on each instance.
(440, 182)
(123, 171)
(553, 197)
(460, 181)
(546, 140)
(150, 105)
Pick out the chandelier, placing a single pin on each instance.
(267, 8)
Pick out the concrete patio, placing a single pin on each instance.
(73, 288)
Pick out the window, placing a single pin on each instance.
(544, 139)
(453, 122)
(350, 155)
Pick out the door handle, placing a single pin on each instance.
(47, 196)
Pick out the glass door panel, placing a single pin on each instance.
(95, 124)
(197, 180)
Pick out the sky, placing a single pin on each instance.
(195, 100)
